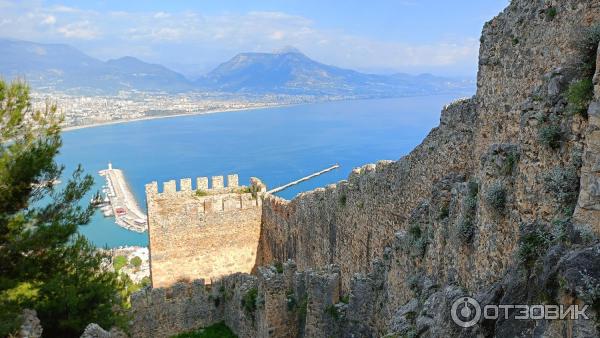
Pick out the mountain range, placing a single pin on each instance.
(62, 67)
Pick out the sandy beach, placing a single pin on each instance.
(100, 124)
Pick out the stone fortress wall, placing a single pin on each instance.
(411, 236)
(204, 232)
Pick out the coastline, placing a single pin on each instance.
(101, 124)
(217, 111)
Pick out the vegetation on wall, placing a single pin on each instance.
(249, 301)
(563, 184)
(550, 133)
(466, 226)
(218, 330)
(495, 198)
(579, 96)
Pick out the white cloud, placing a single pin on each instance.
(193, 36)
(79, 30)
(49, 20)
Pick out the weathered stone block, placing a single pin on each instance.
(186, 184)
(232, 181)
(169, 187)
(202, 183)
(217, 182)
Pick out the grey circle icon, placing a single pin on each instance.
(465, 312)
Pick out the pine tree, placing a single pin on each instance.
(44, 263)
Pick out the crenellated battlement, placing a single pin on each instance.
(188, 225)
(217, 186)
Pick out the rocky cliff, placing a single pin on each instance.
(503, 194)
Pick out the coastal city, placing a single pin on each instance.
(81, 110)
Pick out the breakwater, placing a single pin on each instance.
(122, 202)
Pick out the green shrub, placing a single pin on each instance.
(145, 282)
(509, 164)
(219, 330)
(444, 211)
(345, 299)
(201, 193)
(515, 41)
(579, 96)
(414, 230)
(473, 188)
(550, 135)
(466, 227)
(590, 291)
(249, 301)
(551, 12)
(332, 311)
(136, 262)
(278, 266)
(291, 300)
(119, 262)
(588, 47)
(302, 308)
(342, 200)
(466, 230)
(495, 198)
(563, 184)
(243, 190)
(416, 241)
(534, 242)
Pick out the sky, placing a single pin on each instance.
(378, 36)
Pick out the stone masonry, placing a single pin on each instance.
(203, 233)
(500, 202)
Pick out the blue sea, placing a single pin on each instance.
(278, 145)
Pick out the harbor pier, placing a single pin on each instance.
(121, 201)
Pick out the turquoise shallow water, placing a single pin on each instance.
(277, 145)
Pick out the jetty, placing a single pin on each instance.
(121, 201)
(306, 178)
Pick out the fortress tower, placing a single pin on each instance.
(206, 232)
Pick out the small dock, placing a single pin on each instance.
(122, 203)
(306, 178)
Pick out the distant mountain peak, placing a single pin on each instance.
(287, 50)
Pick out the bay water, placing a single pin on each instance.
(277, 145)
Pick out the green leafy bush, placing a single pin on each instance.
(201, 193)
(278, 266)
(466, 226)
(466, 230)
(291, 300)
(579, 96)
(509, 164)
(249, 301)
(495, 198)
(550, 135)
(415, 243)
(589, 292)
(136, 262)
(533, 243)
(343, 199)
(332, 311)
(563, 184)
(551, 12)
(444, 211)
(588, 47)
(119, 262)
(219, 330)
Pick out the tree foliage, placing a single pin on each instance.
(44, 263)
